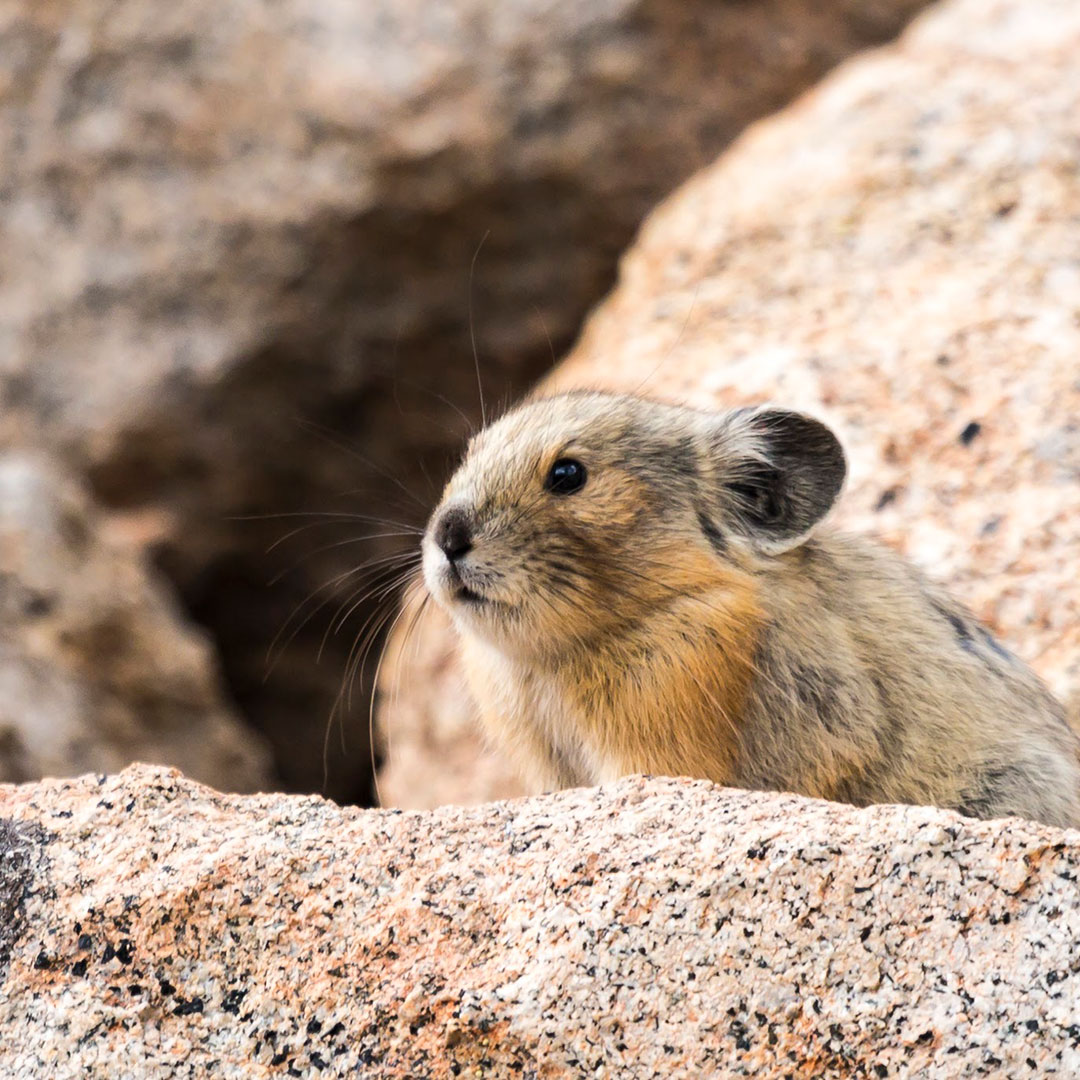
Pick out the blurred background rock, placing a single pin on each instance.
(97, 663)
(236, 243)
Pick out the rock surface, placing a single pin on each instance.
(97, 665)
(896, 253)
(222, 218)
(650, 928)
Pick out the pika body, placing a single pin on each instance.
(642, 587)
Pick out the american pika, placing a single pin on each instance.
(647, 588)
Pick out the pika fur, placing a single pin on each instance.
(647, 588)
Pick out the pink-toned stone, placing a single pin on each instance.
(151, 927)
(896, 253)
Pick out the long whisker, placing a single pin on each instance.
(327, 517)
(432, 487)
(371, 636)
(470, 424)
(369, 630)
(343, 703)
(335, 441)
(413, 590)
(281, 648)
(372, 583)
(271, 658)
(400, 531)
(543, 326)
(362, 643)
(375, 689)
(425, 599)
(671, 348)
(322, 549)
(472, 329)
(381, 588)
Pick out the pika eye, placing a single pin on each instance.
(566, 477)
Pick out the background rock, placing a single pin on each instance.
(97, 665)
(223, 218)
(898, 254)
(652, 927)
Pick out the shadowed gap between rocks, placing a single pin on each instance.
(292, 424)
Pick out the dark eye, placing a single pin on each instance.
(566, 477)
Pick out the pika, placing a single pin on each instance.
(646, 588)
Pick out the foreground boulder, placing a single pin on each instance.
(897, 254)
(655, 927)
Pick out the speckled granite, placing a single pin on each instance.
(897, 253)
(650, 928)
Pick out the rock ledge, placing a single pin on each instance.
(654, 927)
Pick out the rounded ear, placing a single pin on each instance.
(781, 473)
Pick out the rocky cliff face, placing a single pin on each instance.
(897, 254)
(651, 928)
(237, 235)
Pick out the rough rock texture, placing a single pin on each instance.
(97, 665)
(221, 218)
(898, 254)
(650, 928)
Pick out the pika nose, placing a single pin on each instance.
(452, 533)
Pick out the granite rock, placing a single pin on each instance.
(223, 217)
(897, 253)
(97, 664)
(648, 928)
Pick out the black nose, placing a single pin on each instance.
(452, 533)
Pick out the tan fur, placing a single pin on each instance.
(610, 710)
(652, 623)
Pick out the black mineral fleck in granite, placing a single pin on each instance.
(970, 433)
(230, 1003)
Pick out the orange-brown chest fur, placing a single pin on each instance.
(661, 693)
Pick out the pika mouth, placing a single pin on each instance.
(457, 585)
(459, 589)
(467, 596)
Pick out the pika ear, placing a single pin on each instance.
(781, 473)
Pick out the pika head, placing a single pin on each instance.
(574, 514)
